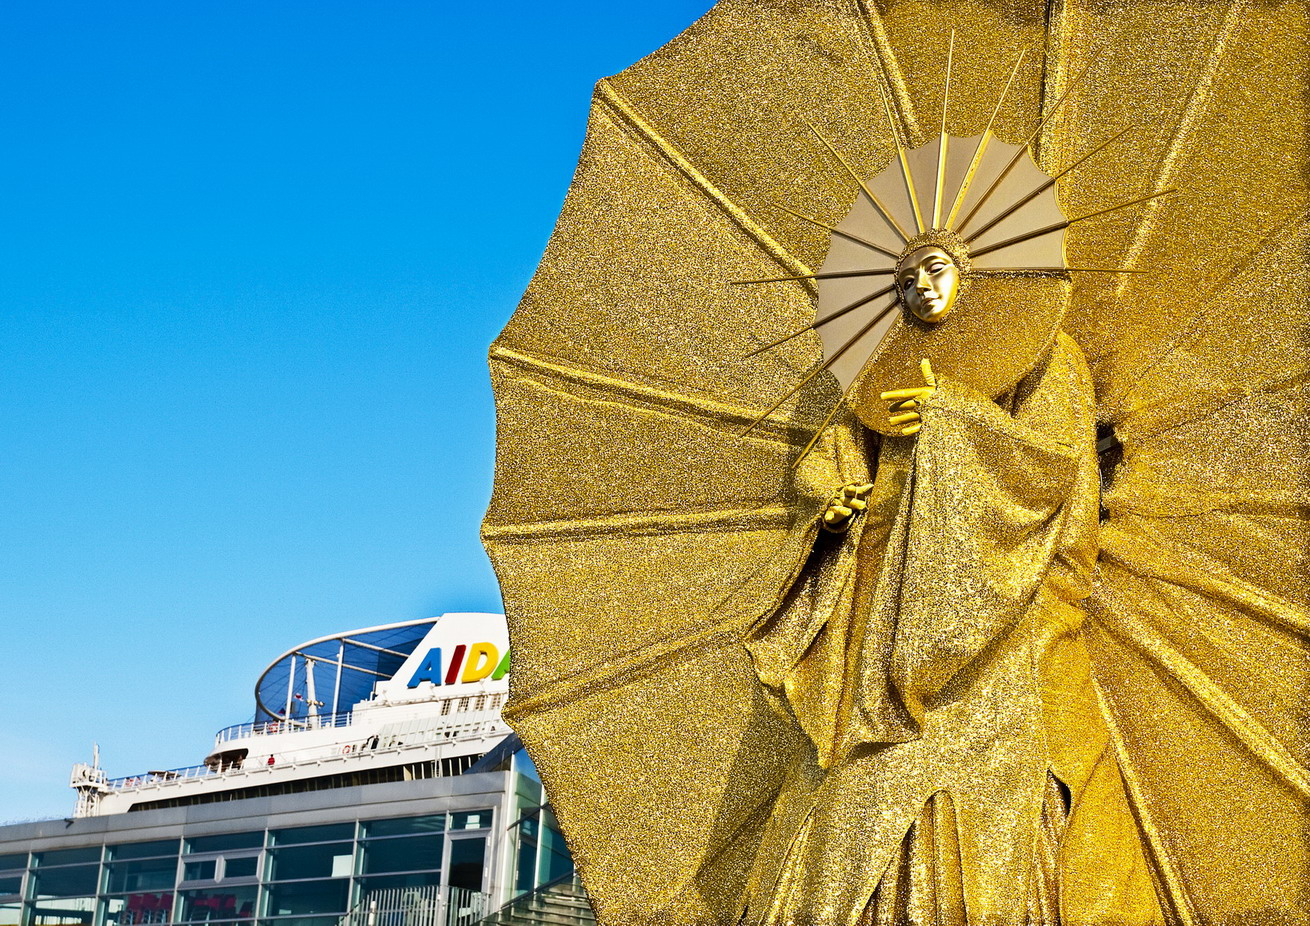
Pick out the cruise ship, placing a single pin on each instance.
(375, 785)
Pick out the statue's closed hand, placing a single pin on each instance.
(845, 505)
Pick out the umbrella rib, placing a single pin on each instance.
(635, 523)
(703, 410)
(983, 140)
(1197, 573)
(628, 117)
(1170, 160)
(823, 321)
(1245, 728)
(1175, 893)
(1294, 228)
(889, 78)
(1046, 185)
(817, 370)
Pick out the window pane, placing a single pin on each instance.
(153, 875)
(67, 882)
(144, 849)
(202, 870)
(555, 859)
(11, 884)
(9, 913)
(237, 903)
(525, 869)
(226, 841)
(329, 861)
(406, 826)
(314, 834)
(474, 820)
(139, 908)
(70, 856)
(412, 854)
(308, 898)
(466, 862)
(13, 861)
(244, 867)
(67, 912)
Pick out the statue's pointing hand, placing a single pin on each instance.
(845, 505)
(905, 402)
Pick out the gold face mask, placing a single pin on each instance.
(928, 281)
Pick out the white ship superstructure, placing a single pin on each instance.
(375, 785)
(432, 693)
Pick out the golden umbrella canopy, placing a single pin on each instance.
(636, 529)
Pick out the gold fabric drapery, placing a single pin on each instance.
(639, 536)
(950, 627)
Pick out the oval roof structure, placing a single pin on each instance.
(331, 674)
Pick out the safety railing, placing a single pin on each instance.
(420, 906)
(271, 727)
(453, 721)
(129, 782)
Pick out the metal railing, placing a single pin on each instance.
(128, 782)
(419, 906)
(271, 727)
(453, 726)
(563, 900)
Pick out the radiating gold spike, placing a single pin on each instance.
(1132, 202)
(981, 149)
(1103, 270)
(1001, 270)
(941, 142)
(827, 318)
(905, 167)
(831, 275)
(1046, 185)
(819, 369)
(1058, 226)
(845, 234)
(819, 433)
(877, 203)
(1026, 236)
(964, 223)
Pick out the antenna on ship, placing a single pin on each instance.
(90, 784)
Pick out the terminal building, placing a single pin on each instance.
(375, 785)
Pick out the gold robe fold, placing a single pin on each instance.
(935, 658)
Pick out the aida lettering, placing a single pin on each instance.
(467, 664)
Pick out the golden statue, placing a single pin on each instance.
(847, 628)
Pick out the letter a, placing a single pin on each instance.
(429, 671)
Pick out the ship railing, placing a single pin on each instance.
(295, 725)
(130, 782)
(458, 726)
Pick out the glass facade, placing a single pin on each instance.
(303, 876)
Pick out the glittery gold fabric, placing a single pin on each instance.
(643, 542)
(936, 660)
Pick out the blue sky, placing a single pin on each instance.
(253, 255)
